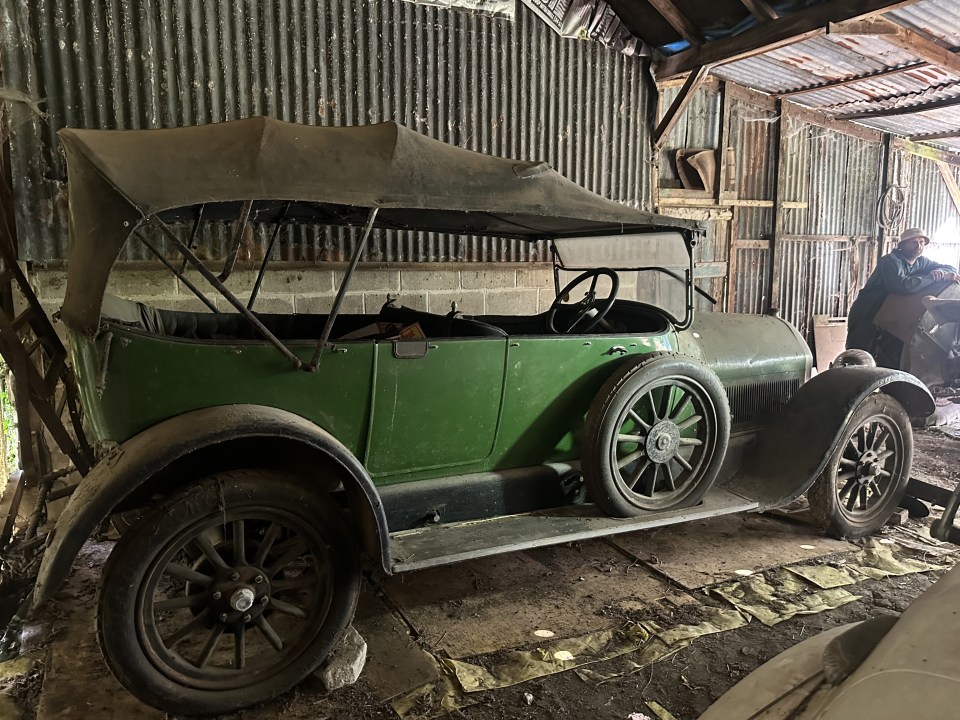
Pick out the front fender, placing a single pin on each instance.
(792, 451)
(148, 453)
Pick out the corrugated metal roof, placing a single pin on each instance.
(830, 58)
(508, 88)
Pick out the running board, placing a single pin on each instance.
(449, 543)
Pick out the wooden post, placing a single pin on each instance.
(779, 182)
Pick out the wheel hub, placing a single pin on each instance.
(242, 599)
(662, 441)
(868, 468)
(239, 594)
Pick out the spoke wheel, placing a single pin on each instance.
(865, 477)
(655, 436)
(230, 594)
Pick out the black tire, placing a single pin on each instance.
(862, 483)
(210, 555)
(656, 435)
(854, 358)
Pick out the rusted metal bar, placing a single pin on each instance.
(222, 289)
(237, 239)
(179, 273)
(192, 240)
(266, 257)
(341, 293)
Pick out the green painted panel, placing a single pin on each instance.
(549, 386)
(151, 378)
(437, 411)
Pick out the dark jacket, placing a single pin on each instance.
(893, 275)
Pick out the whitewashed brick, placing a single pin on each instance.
(367, 280)
(470, 302)
(300, 282)
(540, 277)
(488, 279)
(429, 280)
(353, 304)
(513, 302)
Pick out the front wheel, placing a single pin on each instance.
(866, 476)
(655, 436)
(229, 594)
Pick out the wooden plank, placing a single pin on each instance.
(950, 181)
(754, 97)
(678, 21)
(780, 180)
(771, 35)
(760, 10)
(710, 269)
(866, 28)
(923, 47)
(828, 122)
(732, 260)
(757, 244)
(695, 213)
(679, 105)
(925, 151)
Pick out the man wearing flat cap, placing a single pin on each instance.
(904, 271)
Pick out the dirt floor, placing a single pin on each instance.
(602, 629)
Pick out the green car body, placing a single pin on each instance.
(270, 454)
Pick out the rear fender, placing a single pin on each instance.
(792, 451)
(145, 455)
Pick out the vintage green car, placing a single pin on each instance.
(271, 456)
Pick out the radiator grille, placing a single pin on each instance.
(750, 402)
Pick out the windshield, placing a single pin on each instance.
(652, 267)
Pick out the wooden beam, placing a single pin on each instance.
(852, 80)
(925, 151)
(935, 136)
(678, 21)
(821, 119)
(771, 35)
(923, 47)
(760, 10)
(679, 105)
(871, 27)
(950, 181)
(905, 110)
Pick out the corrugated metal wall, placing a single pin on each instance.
(825, 249)
(487, 84)
(753, 135)
(929, 206)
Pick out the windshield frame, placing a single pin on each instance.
(690, 241)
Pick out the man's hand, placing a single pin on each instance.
(938, 275)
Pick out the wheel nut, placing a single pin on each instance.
(223, 617)
(264, 600)
(235, 576)
(242, 599)
(216, 595)
(258, 579)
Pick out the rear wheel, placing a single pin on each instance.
(655, 436)
(229, 594)
(866, 476)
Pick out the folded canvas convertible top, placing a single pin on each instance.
(334, 175)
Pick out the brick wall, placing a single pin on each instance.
(487, 289)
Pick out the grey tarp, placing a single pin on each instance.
(118, 177)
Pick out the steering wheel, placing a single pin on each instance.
(590, 308)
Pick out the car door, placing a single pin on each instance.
(436, 405)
